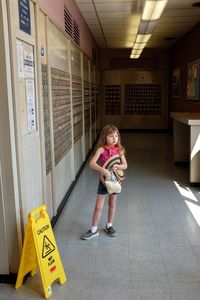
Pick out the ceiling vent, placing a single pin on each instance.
(196, 4)
(169, 38)
(71, 27)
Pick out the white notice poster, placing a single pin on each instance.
(20, 59)
(28, 55)
(29, 71)
(30, 98)
(28, 64)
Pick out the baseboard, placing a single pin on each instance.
(10, 278)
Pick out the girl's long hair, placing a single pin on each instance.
(109, 129)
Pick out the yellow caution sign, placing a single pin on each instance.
(40, 248)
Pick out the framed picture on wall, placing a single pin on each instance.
(176, 83)
(193, 80)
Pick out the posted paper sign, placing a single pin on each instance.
(20, 59)
(30, 98)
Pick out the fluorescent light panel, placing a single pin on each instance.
(136, 51)
(135, 56)
(151, 13)
(147, 27)
(153, 9)
(142, 38)
(139, 45)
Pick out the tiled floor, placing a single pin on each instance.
(156, 255)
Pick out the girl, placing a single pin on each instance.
(109, 145)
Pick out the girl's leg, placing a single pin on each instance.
(111, 207)
(98, 209)
(111, 213)
(95, 220)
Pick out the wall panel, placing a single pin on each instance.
(61, 109)
(45, 110)
(182, 53)
(135, 99)
(27, 114)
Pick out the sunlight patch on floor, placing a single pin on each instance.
(186, 192)
(193, 207)
(195, 210)
(196, 147)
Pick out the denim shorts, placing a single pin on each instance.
(102, 190)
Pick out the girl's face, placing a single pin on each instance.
(112, 138)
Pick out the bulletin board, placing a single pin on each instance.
(193, 80)
(26, 76)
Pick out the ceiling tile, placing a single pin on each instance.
(119, 20)
(83, 1)
(181, 12)
(114, 7)
(113, 15)
(89, 15)
(86, 7)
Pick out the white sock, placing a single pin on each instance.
(94, 229)
(108, 225)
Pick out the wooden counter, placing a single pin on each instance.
(186, 139)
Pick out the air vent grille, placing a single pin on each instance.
(71, 27)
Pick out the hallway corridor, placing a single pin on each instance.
(156, 254)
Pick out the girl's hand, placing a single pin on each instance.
(106, 174)
(114, 168)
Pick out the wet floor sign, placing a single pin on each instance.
(39, 249)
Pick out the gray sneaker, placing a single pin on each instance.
(110, 231)
(89, 235)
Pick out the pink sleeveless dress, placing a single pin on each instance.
(108, 152)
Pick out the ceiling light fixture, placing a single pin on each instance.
(142, 38)
(153, 9)
(151, 13)
(135, 56)
(139, 46)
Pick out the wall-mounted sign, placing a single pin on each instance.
(20, 59)
(30, 99)
(24, 16)
(42, 51)
(193, 80)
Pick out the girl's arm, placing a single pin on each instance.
(93, 163)
(123, 164)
